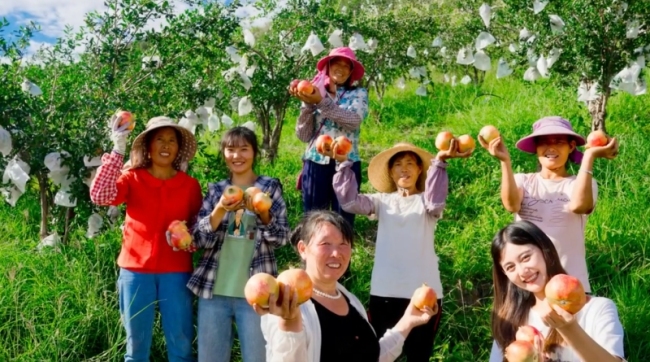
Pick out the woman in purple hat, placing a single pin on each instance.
(336, 108)
(551, 198)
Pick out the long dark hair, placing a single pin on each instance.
(512, 304)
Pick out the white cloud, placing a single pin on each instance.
(54, 15)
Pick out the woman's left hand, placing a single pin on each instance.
(416, 317)
(313, 98)
(556, 317)
(452, 152)
(248, 205)
(609, 151)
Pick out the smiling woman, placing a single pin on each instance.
(567, 199)
(238, 240)
(151, 270)
(412, 186)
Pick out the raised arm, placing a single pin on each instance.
(108, 188)
(585, 191)
(436, 188)
(511, 194)
(345, 187)
(349, 117)
(305, 126)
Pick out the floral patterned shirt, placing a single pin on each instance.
(342, 116)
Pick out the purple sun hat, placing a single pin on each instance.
(552, 125)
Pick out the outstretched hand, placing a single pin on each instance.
(452, 152)
(496, 148)
(119, 133)
(313, 98)
(608, 151)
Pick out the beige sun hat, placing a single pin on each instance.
(379, 174)
(139, 154)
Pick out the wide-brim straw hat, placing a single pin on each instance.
(139, 156)
(379, 174)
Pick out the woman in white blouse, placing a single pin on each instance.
(332, 326)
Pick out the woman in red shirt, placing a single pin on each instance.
(156, 191)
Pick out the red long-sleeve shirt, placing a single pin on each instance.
(151, 205)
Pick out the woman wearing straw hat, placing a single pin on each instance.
(555, 201)
(336, 109)
(412, 188)
(156, 191)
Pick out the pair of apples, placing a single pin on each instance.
(562, 290)
(261, 201)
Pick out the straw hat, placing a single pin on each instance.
(139, 154)
(379, 174)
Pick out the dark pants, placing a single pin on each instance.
(384, 313)
(318, 192)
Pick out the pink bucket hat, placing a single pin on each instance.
(552, 125)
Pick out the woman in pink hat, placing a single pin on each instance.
(551, 198)
(336, 108)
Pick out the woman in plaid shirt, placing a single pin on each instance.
(238, 242)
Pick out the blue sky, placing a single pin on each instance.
(52, 15)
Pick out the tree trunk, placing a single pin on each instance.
(45, 205)
(598, 110)
(69, 215)
(279, 111)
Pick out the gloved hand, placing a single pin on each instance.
(168, 236)
(118, 134)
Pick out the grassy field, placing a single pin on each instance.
(62, 306)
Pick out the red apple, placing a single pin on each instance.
(443, 140)
(343, 145)
(262, 202)
(180, 236)
(299, 280)
(465, 143)
(305, 87)
(233, 194)
(294, 83)
(127, 117)
(488, 133)
(424, 296)
(324, 144)
(566, 292)
(521, 351)
(597, 139)
(259, 288)
(528, 334)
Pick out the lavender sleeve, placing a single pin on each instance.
(436, 188)
(345, 187)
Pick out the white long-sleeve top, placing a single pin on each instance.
(305, 346)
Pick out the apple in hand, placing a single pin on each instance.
(180, 237)
(127, 118)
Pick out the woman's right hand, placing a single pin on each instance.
(223, 204)
(496, 148)
(287, 308)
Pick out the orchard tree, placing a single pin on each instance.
(597, 46)
(58, 105)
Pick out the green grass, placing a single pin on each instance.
(62, 306)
